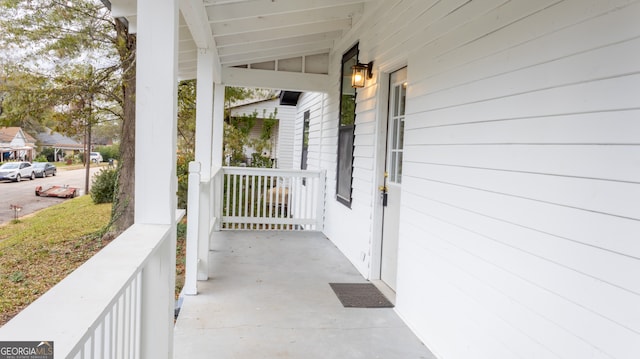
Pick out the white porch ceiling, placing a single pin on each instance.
(272, 35)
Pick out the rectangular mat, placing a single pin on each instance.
(360, 295)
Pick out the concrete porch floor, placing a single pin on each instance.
(268, 296)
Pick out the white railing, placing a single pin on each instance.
(118, 304)
(246, 198)
(271, 199)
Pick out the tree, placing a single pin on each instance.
(82, 97)
(50, 37)
(187, 116)
(24, 98)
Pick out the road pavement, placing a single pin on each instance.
(23, 193)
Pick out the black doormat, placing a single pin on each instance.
(360, 295)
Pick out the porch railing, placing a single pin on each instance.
(271, 199)
(116, 305)
(240, 198)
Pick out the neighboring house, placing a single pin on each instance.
(61, 144)
(486, 173)
(281, 134)
(15, 144)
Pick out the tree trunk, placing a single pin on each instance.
(122, 214)
(87, 154)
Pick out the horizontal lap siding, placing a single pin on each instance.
(312, 102)
(520, 206)
(286, 132)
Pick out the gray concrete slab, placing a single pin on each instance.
(268, 296)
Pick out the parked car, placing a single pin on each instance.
(95, 157)
(44, 169)
(16, 171)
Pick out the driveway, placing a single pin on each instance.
(23, 193)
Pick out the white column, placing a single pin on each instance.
(217, 150)
(156, 112)
(204, 111)
(204, 138)
(155, 169)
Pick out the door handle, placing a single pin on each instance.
(383, 195)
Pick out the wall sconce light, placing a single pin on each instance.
(360, 73)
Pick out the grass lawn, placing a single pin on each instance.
(39, 251)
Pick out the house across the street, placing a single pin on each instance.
(15, 144)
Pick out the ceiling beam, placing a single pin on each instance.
(278, 53)
(292, 41)
(283, 33)
(256, 8)
(195, 16)
(279, 80)
(267, 22)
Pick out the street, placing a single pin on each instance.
(23, 193)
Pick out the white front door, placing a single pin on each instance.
(393, 177)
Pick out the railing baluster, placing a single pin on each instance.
(226, 195)
(138, 317)
(114, 329)
(99, 348)
(108, 332)
(121, 317)
(264, 200)
(246, 199)
(270, 209)
(240, 199)
(253, 198)
(127, 316)
(234, 194)
(304, 198)
(312, 196)
(277, 207)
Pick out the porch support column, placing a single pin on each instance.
(217, 151)
(155, 167)
(204, 138)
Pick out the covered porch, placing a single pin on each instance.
(517, 214)
(268, 296)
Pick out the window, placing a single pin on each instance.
(396, 128)
(305, 140)
(346, 128)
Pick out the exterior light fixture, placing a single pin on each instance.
(361, 72)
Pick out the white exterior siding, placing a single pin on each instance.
(312, 102)
(283, 133)
(286, 131)
(520, 216)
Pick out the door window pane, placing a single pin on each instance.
(398, 93)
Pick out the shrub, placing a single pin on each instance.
(258, 160)
(41, 158)
(108, 152)
(103, 186)
(48, 154)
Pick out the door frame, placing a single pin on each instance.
(382, 113)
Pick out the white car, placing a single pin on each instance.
(95, 157)
(16, 171)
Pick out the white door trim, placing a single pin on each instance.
(382, 99)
